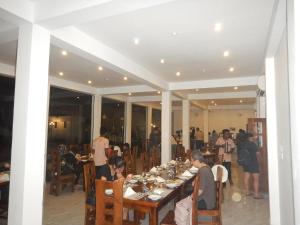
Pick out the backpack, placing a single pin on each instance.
(244, 157)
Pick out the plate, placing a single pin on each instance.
(154, 197)
(172, 185)
(183, 177)
(109, 191)
(193, 170)
(132, 181)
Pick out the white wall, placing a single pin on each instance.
(217, 119)
(221, 119)
(283, 133)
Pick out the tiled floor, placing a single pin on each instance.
(68, 208)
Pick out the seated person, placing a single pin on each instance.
(70, 164)
(207, 191)
(114, 169)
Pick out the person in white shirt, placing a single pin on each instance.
(226, 147)
(100, 145)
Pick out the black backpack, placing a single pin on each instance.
(244, 157)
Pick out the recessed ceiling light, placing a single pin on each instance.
(197, 89)
(203, 70)
(100, 68)
(64, 52)
(178, 74)
(174, 33)
(89, 81)
(136, 41)
(162, 61)
(226, 54)
(61, 73)
(212, 102)
(218, 27)
(215, 104)
(77, 97)
(106, 78)
(129, 94)
(158, 92)
(125, 78)
(235, 88)
(231, 69)
(241, 101)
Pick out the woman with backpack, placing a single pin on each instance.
(247, 158)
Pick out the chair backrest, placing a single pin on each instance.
(89, 177)
(109, 208)
(55, 163)
(219, 191)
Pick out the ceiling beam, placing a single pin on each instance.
(16, 12)
(125, 89)
(222, 95)
(74, 12)
(228, 107)
(215, 83)
(71, 85)
(85, 46)
(150, 98)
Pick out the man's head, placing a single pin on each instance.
(197, 158)
(226, 134)
(119, 164)
(126, 146)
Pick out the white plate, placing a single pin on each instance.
(193, 171)
(172, 185)
(109, 191)
(154, 197)
(132, 181)
(183, 177)
(225, 172)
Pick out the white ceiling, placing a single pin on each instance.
(196, 47)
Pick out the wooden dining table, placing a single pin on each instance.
(145, 205)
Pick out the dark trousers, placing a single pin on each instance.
(227, 165)
(100, 171)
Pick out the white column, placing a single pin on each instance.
(261, 107)
(149, 120)
(166, 126)
(29, 127)
(186, 124)
(205, 125)
(128, 122)
(97, 106)
(272, 143)
(294, 91)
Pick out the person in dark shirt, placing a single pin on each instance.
(251, 168)
(69, 164)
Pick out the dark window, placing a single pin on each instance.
(138, 125)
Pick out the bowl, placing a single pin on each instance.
(132, 181)
(172, 185)
(154, 197)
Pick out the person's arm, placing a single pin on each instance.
(232, 145)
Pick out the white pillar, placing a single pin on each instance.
(186, 124)
(261, 107)
(166, 126)
(205, 125)
(293, 10)
(149, 120)
(128, 122)
(273, 155)
(29, 127)
(97, 106)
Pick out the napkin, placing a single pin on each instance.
(187, 161)
(187, 174)
(160, 179)
(194, 168)
(153, 170)
(164, 165)
(129, 191)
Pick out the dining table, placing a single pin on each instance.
(152, 207)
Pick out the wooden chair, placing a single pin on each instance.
(58, 181)
(110, 207)
(215, 214)
(89, 186)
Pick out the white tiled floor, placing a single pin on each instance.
(68, 208)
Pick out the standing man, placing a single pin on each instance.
(100, 146)
(226, 147)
